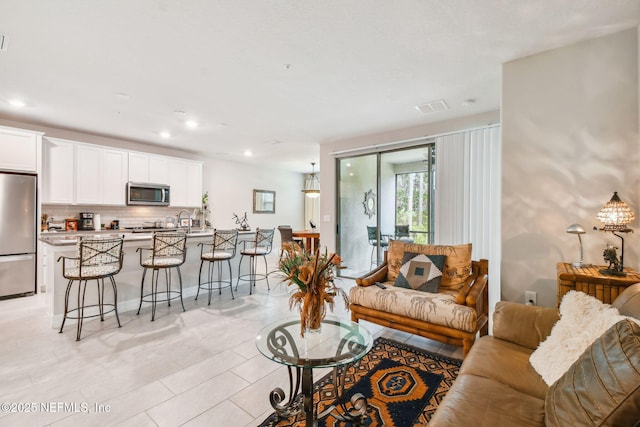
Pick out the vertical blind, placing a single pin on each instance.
(467, 196)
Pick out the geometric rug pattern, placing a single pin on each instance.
(403, 386)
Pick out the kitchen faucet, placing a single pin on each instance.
(188, 217)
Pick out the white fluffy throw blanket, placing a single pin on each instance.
(583, 319)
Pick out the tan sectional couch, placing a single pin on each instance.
(497, 386)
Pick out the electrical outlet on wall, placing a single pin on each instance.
(530, 298)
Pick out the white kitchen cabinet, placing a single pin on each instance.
(83, 174)
(194, 184)
(88, 174)
(115, 177)
(19, 149)
(58, 180)
(178, 182)
(101, 175)
(185, 179)
(148, 168)
(138, 167)
(158, 167)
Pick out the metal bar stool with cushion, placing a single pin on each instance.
(223, 248)
(261, 245)
(168, 251)
(372, 233)
(286, 239)
(402, 234)
(96, 259)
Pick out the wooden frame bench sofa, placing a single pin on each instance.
(455, 314)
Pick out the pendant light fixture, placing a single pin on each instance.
(312, 184)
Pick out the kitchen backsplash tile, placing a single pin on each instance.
(129, 216)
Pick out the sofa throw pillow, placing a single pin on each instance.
(420, 272)
(457, 266)
(602, 388)
(583, 319)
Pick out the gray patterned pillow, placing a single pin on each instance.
(420, 272)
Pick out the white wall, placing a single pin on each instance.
(231, 184)
(570, 139)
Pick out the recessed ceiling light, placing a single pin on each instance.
(468, 102)
(248, 153)
(165, 134)
(18, 103)
(191, 124)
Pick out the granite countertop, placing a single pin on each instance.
(64, 238)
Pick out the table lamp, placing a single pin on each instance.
(616, 215)
(578, 229)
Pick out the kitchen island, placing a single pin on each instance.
(55, 245)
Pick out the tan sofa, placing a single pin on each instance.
(455, 315)
(497, 386)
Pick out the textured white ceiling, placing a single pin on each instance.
(356, 66)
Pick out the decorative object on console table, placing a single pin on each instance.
(578, 230)
(616, 216)
(242, 222)
(591, 281)
(314, 276)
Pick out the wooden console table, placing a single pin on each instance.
(590, 281)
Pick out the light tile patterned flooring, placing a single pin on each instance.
(194, 368)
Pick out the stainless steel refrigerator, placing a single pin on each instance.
(18, 227)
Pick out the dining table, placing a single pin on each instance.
(311, 239)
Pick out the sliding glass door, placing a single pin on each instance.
(383, 196)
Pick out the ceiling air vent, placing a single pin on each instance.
(433, 107)
(4, 42)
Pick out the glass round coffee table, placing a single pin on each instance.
(338, 343)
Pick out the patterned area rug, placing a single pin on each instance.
(403, 386)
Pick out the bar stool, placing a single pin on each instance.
(223, 248)
(261, 245)
(168, 251)
(96, 259)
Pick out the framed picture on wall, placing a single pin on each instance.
(264, 201)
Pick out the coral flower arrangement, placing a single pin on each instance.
(314, 275)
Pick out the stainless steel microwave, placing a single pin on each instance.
(144, 194)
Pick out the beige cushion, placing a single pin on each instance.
(457, 266)
(91, 271)
(603, 387)
(162, 262)
(485, 402)
(216, 256)
(514, 369)
(438, 309)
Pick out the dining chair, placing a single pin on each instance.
(287, 240)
